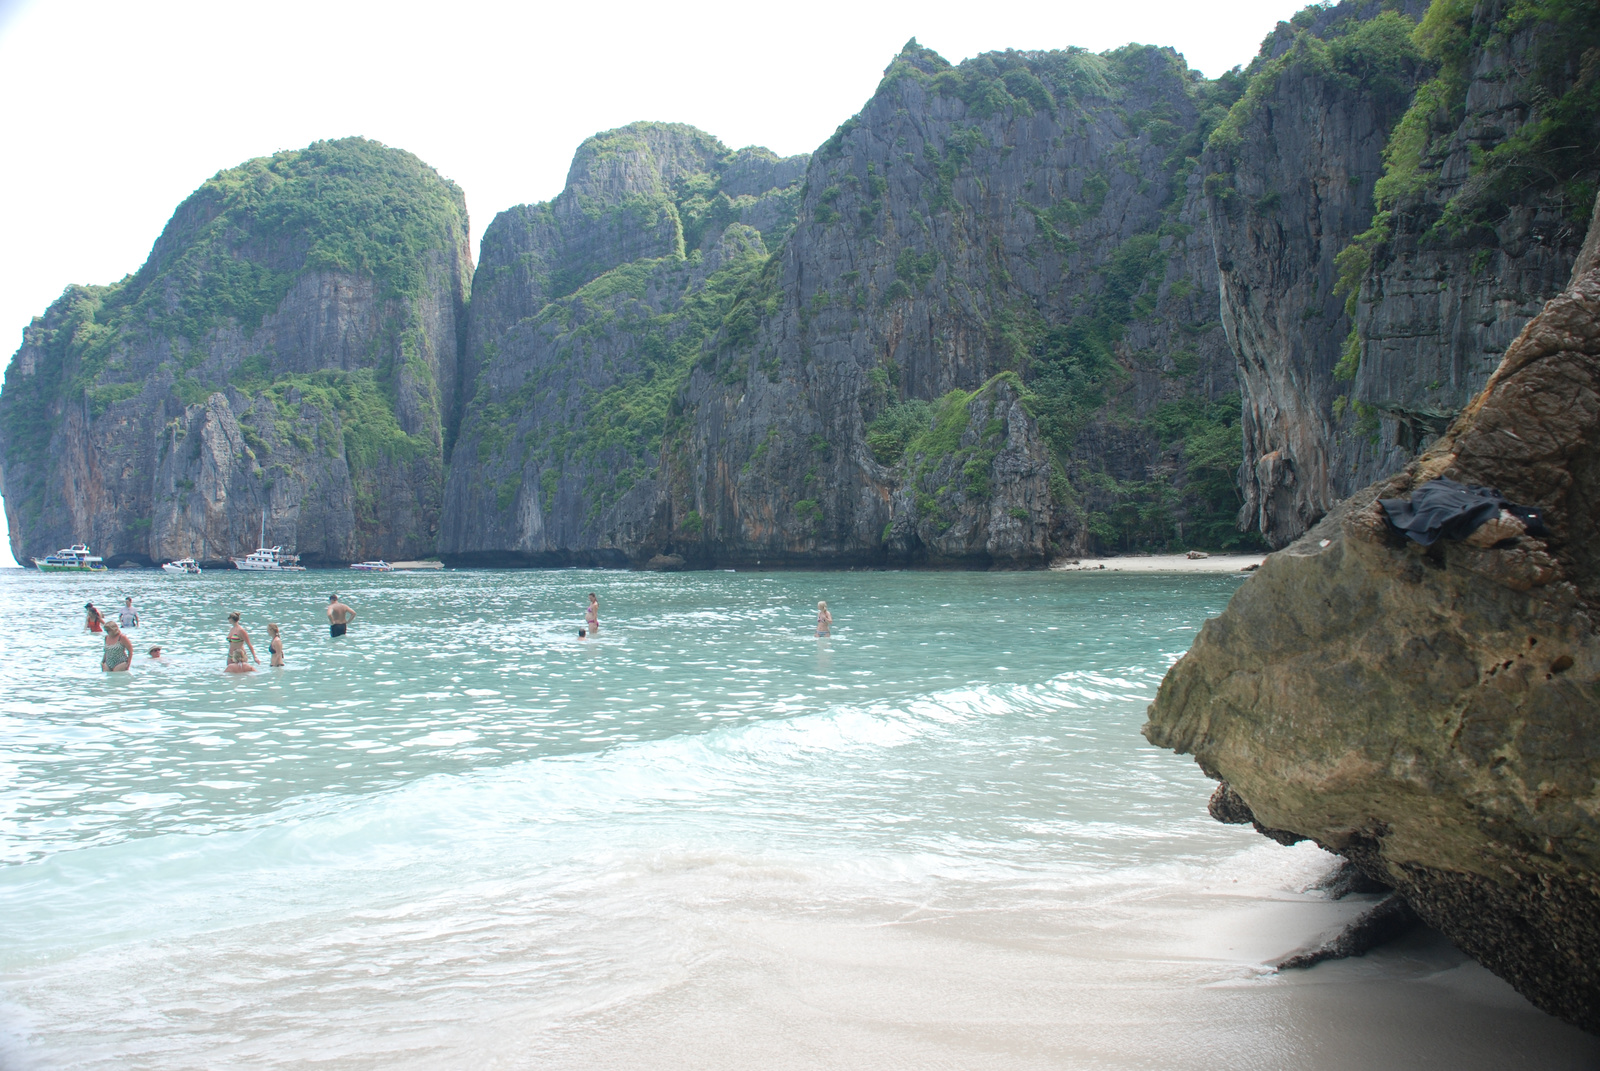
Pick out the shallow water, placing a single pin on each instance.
(460, 837)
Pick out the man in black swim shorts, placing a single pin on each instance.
(339, 616)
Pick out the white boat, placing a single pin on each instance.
(265, 559)
(182, 567)
(372, 567)
(269, 560)
(73, 559)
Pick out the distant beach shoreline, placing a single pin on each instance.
(1162, 563)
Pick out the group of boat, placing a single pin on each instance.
(77, 559)
(264, 559)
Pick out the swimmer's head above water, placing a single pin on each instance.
(583, 634)
(155, 652)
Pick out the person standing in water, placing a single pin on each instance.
(128, 616)
(824, 620)
(238, 640)
(92, 618)
(339, 616)
(275, 645)
(118, 655)
(591, 616)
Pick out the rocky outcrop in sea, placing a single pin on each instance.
(1428, 712)
(288, 353)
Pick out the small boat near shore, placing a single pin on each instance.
(372, 567)
(268, 560)
(265, 559)
(182, 567)
(73, 559)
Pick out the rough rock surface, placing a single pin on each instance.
(1431, 714)
(290, 349)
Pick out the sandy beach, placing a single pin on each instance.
(1162, 563)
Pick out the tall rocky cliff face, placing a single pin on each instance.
(290, 350)
(989, 340)
(1429, 712)
(978, 327)
(1390, 208)
(587, 313)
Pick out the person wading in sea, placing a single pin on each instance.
(118, 654)
(92, 617)
(128, 616)
(824, 620)
(339, 616)
(591, 616)
(275, 647)
(238, 640)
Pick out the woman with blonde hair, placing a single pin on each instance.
(118, 655)
(238, 640)
(275, 646)
(824, 620)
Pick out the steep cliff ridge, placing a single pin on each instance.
(1031, 214)
(1429, 713)
(1289, 183)
(1390, 207)
(1487, 184)
(587, 313)
(289, 348)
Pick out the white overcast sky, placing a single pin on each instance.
(112, 112)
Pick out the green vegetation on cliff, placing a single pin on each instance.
(112, 366)
(1376, 57)
(1555, 154)
(236, 245)
(226, 260)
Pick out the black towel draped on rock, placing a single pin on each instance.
(1445, 509)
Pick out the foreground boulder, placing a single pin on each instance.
(1433, 714)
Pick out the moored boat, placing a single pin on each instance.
(269, 560)
(372, 567)
(73, 559)
(182, 567)
(265, 559)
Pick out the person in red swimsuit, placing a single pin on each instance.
(93, 620)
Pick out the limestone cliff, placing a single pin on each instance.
(587, 313)
(1430, 713)
(977, 327)
(290, 349)
(1028, 216)
(1390, 207)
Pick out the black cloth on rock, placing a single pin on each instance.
(1445, 509)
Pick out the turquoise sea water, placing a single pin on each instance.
(460, 837)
